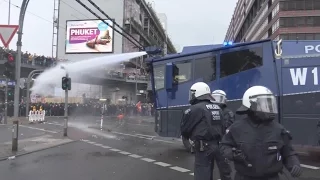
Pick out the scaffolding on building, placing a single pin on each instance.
(55, 28)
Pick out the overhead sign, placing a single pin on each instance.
(89, 36)
(7, 32)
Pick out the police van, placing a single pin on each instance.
(289, 68)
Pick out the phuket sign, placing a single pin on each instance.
(89, 36)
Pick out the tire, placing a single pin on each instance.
(187, 144)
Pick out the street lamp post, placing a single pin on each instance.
(23, 9)
(18, 58)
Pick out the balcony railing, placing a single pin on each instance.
(155, 18)
(127, 77)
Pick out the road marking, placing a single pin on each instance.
(115, 150)
(90, 142)
(124, 153)
(179, 169)
(106, 147)
(97, 144)
(57, 124)
(162, 164)
(138, 124)
(148, 160)
(135, 156)
(54, 132)
(142, 137)
(309, 167)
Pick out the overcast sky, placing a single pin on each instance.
(189, 22)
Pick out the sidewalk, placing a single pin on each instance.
(24, 120)
(26, 146)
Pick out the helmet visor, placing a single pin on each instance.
(266, 103)
(219, 98)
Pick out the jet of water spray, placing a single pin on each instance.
(51, 78)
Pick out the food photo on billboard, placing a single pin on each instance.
(89, 36)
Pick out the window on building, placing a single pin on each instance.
(309, 21)
(292, 36)
(293, 5)
(309, 37)
(183, 71)
(159, 74)
(284, 36)
(300, 21)
(316, 21)
(316, 4)
(238, 61)
(300, 36)
(309, 5)
(300, 5)
(205, 68)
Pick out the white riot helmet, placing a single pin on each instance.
(219, 96)
(200, 91)
(260, 100)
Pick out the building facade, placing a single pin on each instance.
(138, 18)
(275, 19)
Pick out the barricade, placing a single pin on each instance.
(37, 116)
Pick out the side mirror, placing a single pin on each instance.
(168, 77)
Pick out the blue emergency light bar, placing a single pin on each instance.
(227, 43)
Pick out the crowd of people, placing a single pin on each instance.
(30, 59)
(46, 61)
(91, 108)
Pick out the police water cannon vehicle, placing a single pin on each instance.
(288, 68)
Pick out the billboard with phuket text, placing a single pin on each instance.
(89, 36)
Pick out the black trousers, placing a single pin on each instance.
(204, 162)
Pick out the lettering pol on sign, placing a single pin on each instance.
(309, 48)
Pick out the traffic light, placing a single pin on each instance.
(9, 71)
(66, 83)
(10, 95)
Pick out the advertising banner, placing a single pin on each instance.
(89, 36)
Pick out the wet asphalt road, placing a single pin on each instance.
(24, 133)
(127, 150)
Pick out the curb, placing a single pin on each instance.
(30, 152)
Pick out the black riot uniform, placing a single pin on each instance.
(259, 146)
(228, 116)
(202, 123)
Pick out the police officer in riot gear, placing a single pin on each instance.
(259, 146)
(202, 124)
(228, 116)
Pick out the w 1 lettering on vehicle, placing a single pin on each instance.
(301, 76)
